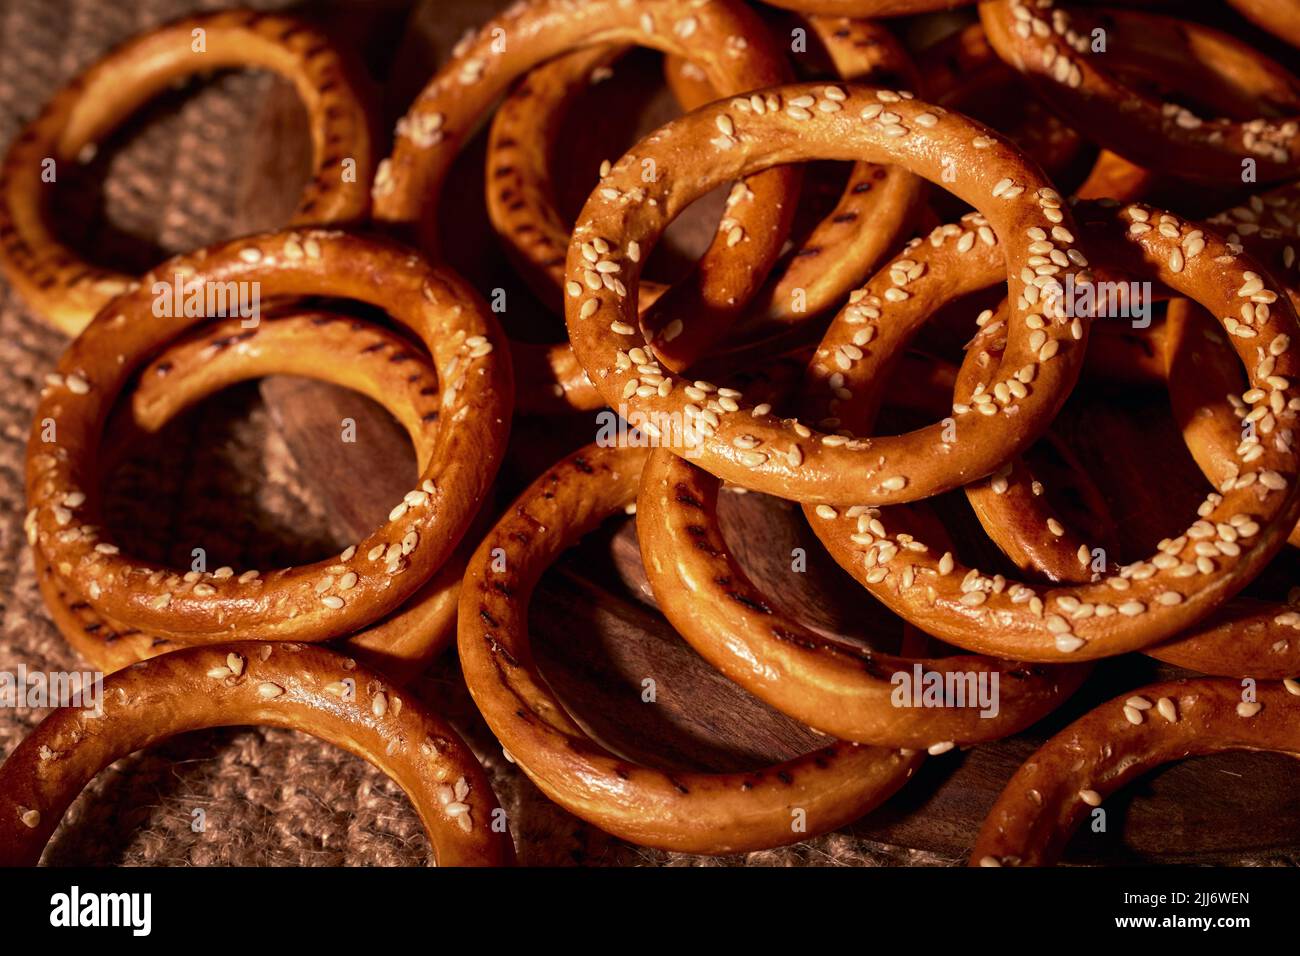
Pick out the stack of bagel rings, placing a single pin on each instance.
(999, 162)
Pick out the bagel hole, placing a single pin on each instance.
(598, 636)
(106, 208)
(1225, 809)
(259, 475)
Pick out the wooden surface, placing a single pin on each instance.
(594, 623)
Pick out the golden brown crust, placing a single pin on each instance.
(1058, 787)
(296, 686)
(724, 38)
(688, 811)
(1147, 601)
(1052, 44)
(309, 345)
(472, 364)
(832, 686)
(789, 459)
(66, 291)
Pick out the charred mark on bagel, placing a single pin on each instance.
(226, 341)
(499, 650)
(684, 496)
(792, 637)
(701, 536)
(745, 601)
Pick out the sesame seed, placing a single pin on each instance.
(1249, 708)
(1091, 797)
(942, 747)
(332, 602)
(1132, 715)
(30, 818)
(1165, 707)
(269, 691)
(1067, 643)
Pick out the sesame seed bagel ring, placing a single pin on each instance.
(473, 370)
(1052, 45)
(381, 365)
(801, 122)
(1246, 637)
(1148, 601)
(724, 37)
(690, 812)
(294, 686)
(66, 291)
(1057, 788)
(832, 686)
(853, 371)
(1204, 383)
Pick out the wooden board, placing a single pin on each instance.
(594, 623)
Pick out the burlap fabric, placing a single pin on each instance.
(268, 797)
